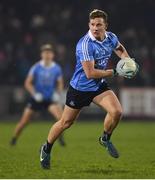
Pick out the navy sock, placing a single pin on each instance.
(14, 139)
(106, 136)
(48, 147)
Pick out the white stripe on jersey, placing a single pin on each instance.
(85, 48)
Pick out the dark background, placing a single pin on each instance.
(25, 25)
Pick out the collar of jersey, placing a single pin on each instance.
(43, 64)
(94, 39)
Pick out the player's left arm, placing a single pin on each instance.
(58, 96)
(121, 52)
(60, 80)
(60, 84)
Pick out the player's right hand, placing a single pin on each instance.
(38, 97)
(116, 72)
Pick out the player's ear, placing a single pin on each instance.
(106, 26)
(89, 24)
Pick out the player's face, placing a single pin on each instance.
(47, 55)
(98, 27)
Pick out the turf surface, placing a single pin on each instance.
(83, 157)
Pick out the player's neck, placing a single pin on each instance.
(47, 63)
(101, 38)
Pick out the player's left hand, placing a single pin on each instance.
(38, 97)
(55, 97)
(131, 75)
(128, 70)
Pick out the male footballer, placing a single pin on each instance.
(89, 84)
(44, 78)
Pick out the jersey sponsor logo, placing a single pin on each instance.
(101, 63)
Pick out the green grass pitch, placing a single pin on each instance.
(83, 157)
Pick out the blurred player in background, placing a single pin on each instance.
(88, 84)
(44, 78)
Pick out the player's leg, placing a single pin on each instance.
(68, 117)
(108, 101)
(56, 110)
(27, 114)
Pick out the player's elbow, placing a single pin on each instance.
(89, 75)
(26, 85)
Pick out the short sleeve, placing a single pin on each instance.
(84, 50)
(114, 40)
(32, 71)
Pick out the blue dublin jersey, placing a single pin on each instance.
(45, 78)
(90, 49)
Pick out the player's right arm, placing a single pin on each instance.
(29, 85)
(85, 53)
(91, 72)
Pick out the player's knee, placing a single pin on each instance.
(21, 125)
(66, 123)
(117, 113)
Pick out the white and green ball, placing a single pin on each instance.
(126, 66)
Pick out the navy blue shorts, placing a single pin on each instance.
(39, 106)
(78, 99)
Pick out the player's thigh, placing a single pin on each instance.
(27, 115)
(56, 110)
(69, 114)
(109, 101)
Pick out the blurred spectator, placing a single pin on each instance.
(25, 25)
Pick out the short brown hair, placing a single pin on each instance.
(96, 13)
(46, 47)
